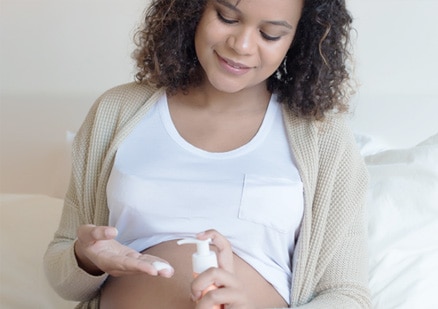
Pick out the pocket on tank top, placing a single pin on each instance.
(276, 203)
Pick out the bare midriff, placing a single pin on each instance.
(144, 291)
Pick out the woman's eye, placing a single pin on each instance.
(225, 20)
(269, 37)
(232, 21)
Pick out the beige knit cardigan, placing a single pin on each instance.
(330, 259)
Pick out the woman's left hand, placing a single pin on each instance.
(231, 290)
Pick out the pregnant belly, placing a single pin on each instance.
(143, 291)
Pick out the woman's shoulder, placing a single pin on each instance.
(336, 142)
(131, 88)
(129, 95)
(335, 129)
(122, 102)
(332, 131)
(117, 106)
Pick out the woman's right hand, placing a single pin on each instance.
(98, 252)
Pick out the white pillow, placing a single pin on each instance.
(368, 144)
(403, 226)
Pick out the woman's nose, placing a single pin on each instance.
(243, 41)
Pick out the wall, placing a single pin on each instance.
(83, 46)
(66, 47)
(397, 45)
(57, 56)
(397, 68)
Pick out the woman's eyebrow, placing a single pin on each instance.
(272, 22)
(280, 23)
(228, 5)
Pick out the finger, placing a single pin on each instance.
(219, 297)
(122, 265)
(162, 266)
(135, 263)
(89, 233)
(231, 297)
(212, 277)
(224, 250)
(104, 232)
(163, 269)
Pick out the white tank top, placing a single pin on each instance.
(163, 188)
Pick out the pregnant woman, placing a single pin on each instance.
(234, 130)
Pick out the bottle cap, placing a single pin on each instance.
(202, 246)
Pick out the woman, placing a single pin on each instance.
(235, 127)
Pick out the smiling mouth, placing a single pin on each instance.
(233, 64)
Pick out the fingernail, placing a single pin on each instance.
(111, 232)
(164, 269)
(167, 273)
(195, 296)
(200, 234)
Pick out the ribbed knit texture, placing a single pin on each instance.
(330, 260)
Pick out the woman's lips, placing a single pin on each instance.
(235, 64)
(233, 67)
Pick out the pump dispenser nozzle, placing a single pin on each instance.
(204, 258)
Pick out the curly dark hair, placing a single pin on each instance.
(312, 80)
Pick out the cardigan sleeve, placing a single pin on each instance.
(85, 201)
(344, 283)
(330, 263)
(60, 264)
(62, 270)
(340, 277)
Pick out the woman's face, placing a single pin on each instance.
(240, 46)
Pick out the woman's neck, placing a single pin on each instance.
(216, 121)
(209, 98)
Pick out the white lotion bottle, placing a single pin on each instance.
(202, 260)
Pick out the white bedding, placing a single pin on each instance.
(403, 233)
(403, 226)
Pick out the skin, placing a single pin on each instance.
(230, 39)
(238, 47)
(180, 291)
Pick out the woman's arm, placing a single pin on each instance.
(85, 205)
(344, 283)
(340, 278)
(62, 270)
